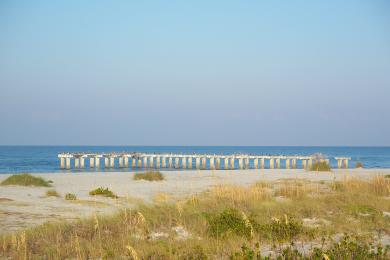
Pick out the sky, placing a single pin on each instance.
(288, 73)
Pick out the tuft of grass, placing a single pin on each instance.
(70, 196)
(149, 176)
(26, 179)
(320, 166)
(103, 192)
(359, 165)
(52, 193)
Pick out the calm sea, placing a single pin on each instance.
(44, 158)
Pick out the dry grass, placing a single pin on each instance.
(320, 166)
(378, 185)
(219, 222)
(149, 176)
(52, 193)
(239, 195)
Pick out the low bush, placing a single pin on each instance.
(230, 221)
(52, 193)
(282, 229)
(103, 192)
(26, 179)
(352, 248)
(149, 176)
(70, 196)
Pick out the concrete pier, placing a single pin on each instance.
(246, 160)
(177, 163)
(158, 159)
(241, 163)
(151, 162)
(204, 163)
(262, 163)
(294, 163)
(77, 162)
(212, 164)
(342, 162)
(112, 162)
(271, 163)
(190, 163)
(256, 163)
(226, 163)
(278, 163)
(97, 162)
(287, 163)
(67, 163)
(182, 161)
(164, 162)
(304, 164)
(62, 162)
(170, 162)
(92, 162)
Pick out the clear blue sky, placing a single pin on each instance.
(195, 72)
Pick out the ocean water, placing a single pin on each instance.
(44, 158)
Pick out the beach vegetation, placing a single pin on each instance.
(52, 193)
(70, 196)
(320, 166)
(149, 176)
(289, 219)
(105, 192)
(359, 165)
(26, 179)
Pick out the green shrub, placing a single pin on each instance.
(26, 179)
(52, 193)
(352, 248)
(283, 229)
(230, 221)
(70, 196)
(149, 176)
(103, 192)
(247, 253)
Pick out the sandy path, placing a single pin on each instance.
(22, 207)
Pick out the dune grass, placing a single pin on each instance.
(359, 165)
(320, 166)
(149, 176)
(52, 193)
(70, 196)
(227, 222)
(26, 179)
(105, 192)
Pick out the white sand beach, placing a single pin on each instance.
(22, 207)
